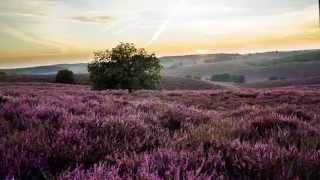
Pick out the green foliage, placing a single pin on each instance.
(228, 78)
(65, 76)
(125, 67)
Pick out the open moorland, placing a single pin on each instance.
(53, 131)
(268, 69)
(166, 83)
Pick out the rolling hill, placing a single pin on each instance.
(256, 68)
(166, 83)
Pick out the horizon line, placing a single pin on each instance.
(166, 56)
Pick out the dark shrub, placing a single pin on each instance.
(228, 78)
(273, 78)
(188, 76)
(65, 76)
(263, 128)
(238, 79)
(197, 77)
(171, 121)
(2, 73)
(2, 100)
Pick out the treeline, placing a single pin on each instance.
(228, 78)
(2, 73)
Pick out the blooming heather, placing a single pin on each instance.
(52, 131)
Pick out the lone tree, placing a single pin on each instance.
(65, 76)
(125, 67)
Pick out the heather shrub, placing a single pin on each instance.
(70, 132)
(263, 128)
(177, 117)
(2, 100)
(23, 158)
(225, 161)
(299, 112)
(171, 121)
(302, 139)
(205, 134)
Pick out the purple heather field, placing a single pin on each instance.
(52, 131)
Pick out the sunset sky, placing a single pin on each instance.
(39, 32)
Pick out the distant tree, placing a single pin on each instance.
(188, 76)
(197, 77)
(125, 67)
(65, 76)
(273, 78)
(221, 77)
(2, 73)
(238, 78)
(228, 78)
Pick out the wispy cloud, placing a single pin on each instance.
(93, 19)
(24, 13)
(165, 27)
(29, 37)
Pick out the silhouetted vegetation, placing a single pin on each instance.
(125, 67)
(2, 73)
(221, 58)
(197, 77)
(275, 78)
(65, 76)
(188, 76)
(228, 78)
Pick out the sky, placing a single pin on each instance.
(40, 32)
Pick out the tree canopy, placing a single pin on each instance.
(65, 76)
(125, 67)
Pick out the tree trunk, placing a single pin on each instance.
(130, 91)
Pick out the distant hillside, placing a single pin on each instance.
(285, 83)
(167, 82)
(258, 67)
(47, 70)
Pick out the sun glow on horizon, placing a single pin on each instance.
(66, 31)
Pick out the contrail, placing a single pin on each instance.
(164, 25)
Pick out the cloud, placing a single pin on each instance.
(93, 19)
(25, 13)
(29, 37)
